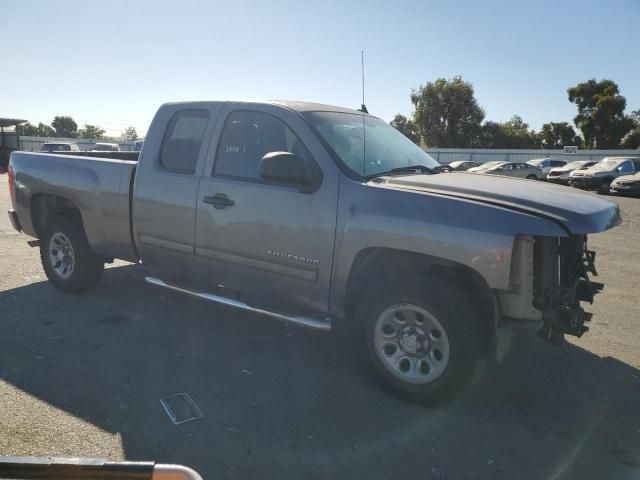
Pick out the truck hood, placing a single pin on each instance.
(577, 211)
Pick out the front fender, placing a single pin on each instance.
(467, 232)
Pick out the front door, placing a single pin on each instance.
(270, 243)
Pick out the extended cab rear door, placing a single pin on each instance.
(166, 187)
(267, 242)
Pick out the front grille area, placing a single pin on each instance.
(561, 281)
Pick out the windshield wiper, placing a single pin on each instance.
(408, 169)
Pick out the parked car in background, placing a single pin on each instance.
(626, 184)
(561, 174)
(484, 166)
(514, 169)
(105, 147)
(462, 165)
(59, 147)
(546, 164)
(599, 176)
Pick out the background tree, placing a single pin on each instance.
(65, 127)
(447, 113)
(41, 130)
(93, 132)
(130, 133)
(600, 116)
(632, 139)
(406, 127)
(555, 135)
(512, 134)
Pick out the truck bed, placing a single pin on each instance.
(99, 188)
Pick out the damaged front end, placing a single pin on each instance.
(561, 268)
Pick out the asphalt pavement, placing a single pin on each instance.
(84, 375)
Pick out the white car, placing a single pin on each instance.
(561, 174)
(59, 147)
(105, 147)
(546, 164)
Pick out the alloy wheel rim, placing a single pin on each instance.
(411, 343)
(61, 255)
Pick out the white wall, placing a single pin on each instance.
(448, 155)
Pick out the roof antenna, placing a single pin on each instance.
(363, 107)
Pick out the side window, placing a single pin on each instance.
(182, 141)
(557, 163)
(247, 137)
(626, 167)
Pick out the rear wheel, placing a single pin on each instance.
(421, 339)
(67, 259)
(532, 177)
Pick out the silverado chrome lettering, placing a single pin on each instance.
(295, 258)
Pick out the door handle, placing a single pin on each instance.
(219, 201)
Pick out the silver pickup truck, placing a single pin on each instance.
(314, 214)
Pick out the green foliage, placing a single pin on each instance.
(600, 116)
(406, 127)
(130, 133)
(557, 135)
(41, 130)
(512, 134)
(632, 139)
(93, 132)
(447, 113)
(65, 127)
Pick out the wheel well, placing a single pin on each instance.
(45, 207)
(375, 262)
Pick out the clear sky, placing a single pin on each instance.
(114, 62)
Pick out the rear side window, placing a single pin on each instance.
(557, 163)
(247, 137)
(626, 167)
(182, 141)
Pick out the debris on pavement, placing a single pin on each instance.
(180, 408)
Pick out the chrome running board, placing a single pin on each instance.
(315, 323)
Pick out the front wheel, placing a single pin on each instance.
(67, 259)
(424, 341)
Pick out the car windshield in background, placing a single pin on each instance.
(380, 149)
(575, 164)
(538, 163)
(608, 163)
(490, 164)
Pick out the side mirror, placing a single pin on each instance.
(619, 168)
(286, 167)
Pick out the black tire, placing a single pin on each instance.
(87, 266)
(465, 328)
(532, 177)
(605, 188)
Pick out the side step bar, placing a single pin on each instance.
(315, 323)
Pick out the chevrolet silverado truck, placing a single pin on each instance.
(314, 214)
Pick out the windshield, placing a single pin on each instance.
(539, 162)
(380, 149)
(490, 164)
(573, 165)
(608, 163)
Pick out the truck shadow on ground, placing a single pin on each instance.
(281, 402)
